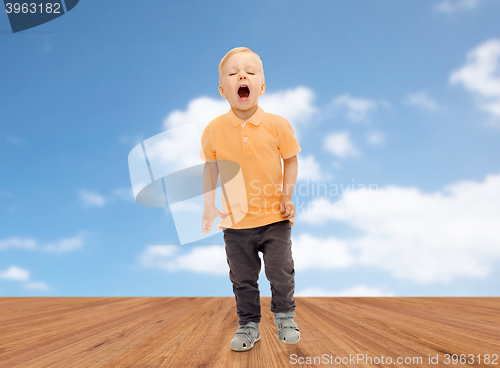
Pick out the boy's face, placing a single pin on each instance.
(241, 81)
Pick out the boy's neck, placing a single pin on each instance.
(245, 114)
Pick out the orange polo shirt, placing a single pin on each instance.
(257, 145)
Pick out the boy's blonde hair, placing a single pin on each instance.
(235, 51)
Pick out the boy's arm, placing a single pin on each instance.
(291, 168)
(210, 212)
(210, 177)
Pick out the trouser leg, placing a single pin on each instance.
(276, 246)
(244, 268)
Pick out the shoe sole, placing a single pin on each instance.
(247, 348)
(289, 342)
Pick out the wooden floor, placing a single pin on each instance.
(195, 332)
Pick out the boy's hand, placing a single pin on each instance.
(287, 208)
(210, 213)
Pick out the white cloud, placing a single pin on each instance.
(376, 138)
(91, 199)
(449, 6)
(340, 144)
(176, 151)
(125, 194)
(310, 169)
(173, 150)
(308, 250)
(425, 237)
(385, 104)
(480, 76)
(15, 273)
(296, 105)
(37, 285)
(58, 246)
(17, 242)
(421, 99)
(336, 165)
(125, 139)
(188, 206)
(356, 291)
(356, 109)
(204, 259)
(200, 111)
(64, 245)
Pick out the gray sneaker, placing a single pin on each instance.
(288, 333)
(245, 337)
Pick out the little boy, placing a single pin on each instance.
(254, 142)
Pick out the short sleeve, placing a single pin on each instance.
(288, 144)
(207, 149)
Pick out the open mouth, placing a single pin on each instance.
(243, 92)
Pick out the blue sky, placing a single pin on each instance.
(402, 96)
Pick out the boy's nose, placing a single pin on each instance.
(242, 77)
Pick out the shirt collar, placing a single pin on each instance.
(255, 119)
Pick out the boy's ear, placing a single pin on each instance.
(222, 93)
(262, 89)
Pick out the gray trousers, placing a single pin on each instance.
(242, 251)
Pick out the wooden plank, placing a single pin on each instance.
(196, 331)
